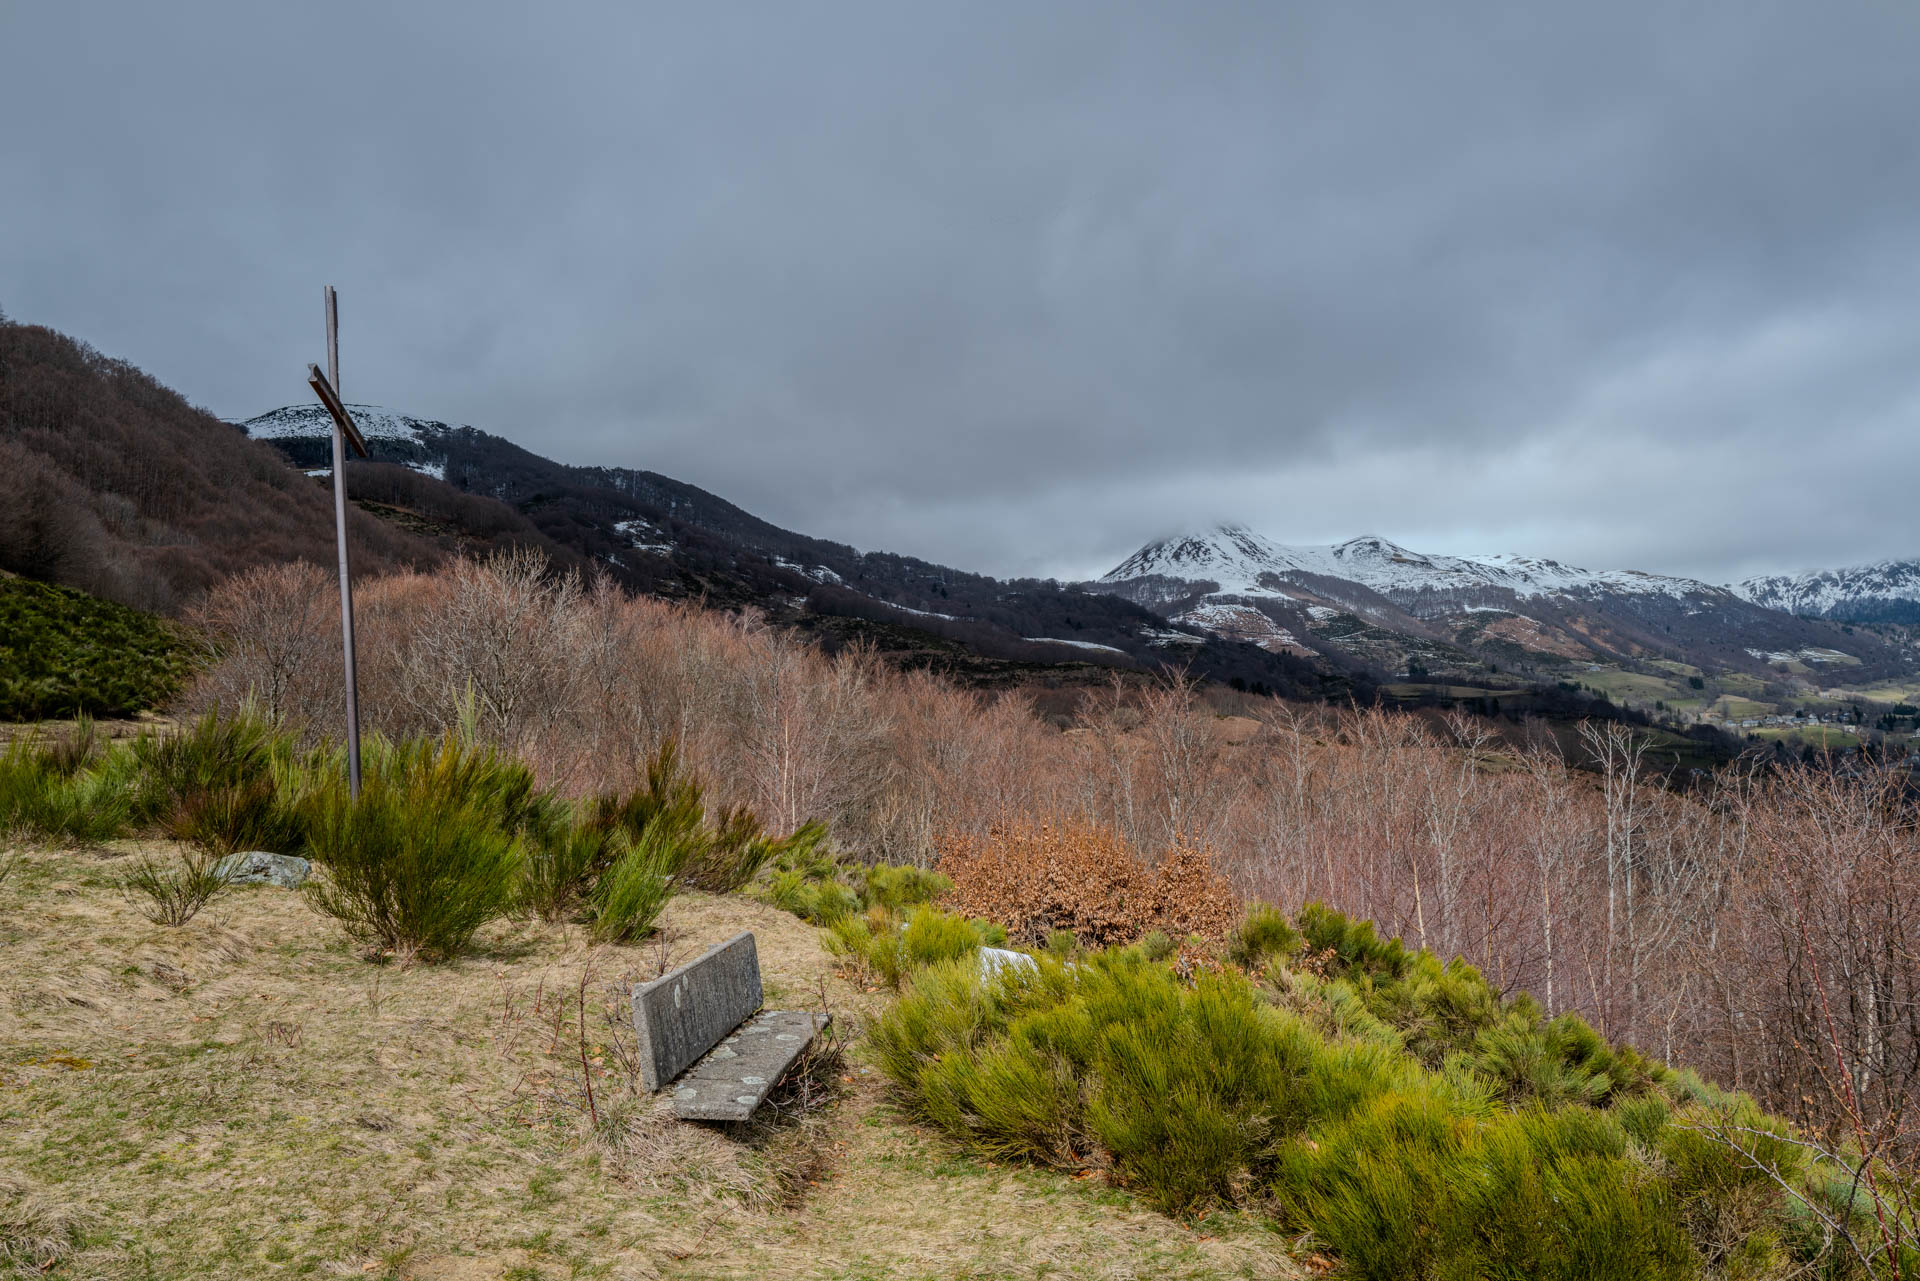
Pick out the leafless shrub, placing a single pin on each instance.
(275, 631)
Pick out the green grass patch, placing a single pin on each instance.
(1734, 708)
(1815, 736)
(65, 653)
(1636, 688)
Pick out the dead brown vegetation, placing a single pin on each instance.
(1077, 876)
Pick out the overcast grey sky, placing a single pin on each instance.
(1018, 287)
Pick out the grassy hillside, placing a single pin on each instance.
(423, 1066)
(63, 652)
(244, 1097)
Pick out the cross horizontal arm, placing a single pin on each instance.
(324, 389)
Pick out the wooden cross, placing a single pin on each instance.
(344, 433)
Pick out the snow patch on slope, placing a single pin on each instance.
(291, 422)
(1055, 640)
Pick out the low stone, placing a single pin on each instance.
(995, 959)
(257, 867)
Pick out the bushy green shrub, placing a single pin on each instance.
(1154, 945)
(820, 900)
(66, 788)
(718, 852)
(1713, 1149)
(1375, 1185)
(816, 888)
(619, 859)
(1194, 1085)
(1553, 1195)
(455, 769)
(216, 785)
(1553, 1064)
(629, 895)
(1265, 935)
(1347, 947)
(892, 950)
(421, 861)
(560, 862)
(1182, 1090)
(930, 1044)
(1193, 1092)
(877, 915)
(1448, 1014)
(899, 887)
(1400, 1110)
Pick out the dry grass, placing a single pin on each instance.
(242, 1096)
(36, 1229)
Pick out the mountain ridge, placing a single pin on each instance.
(666, 537)
(1886, 591)
(1467, 613)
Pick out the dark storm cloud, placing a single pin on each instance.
(1017, 287)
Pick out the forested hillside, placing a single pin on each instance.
(114, 484)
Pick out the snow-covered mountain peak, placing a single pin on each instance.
(418, 443)
(291, 422)
(1885, 591)
(1231, 555)
(1244, 563)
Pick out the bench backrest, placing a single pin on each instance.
(687, 1011)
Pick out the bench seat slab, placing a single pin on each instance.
(730, 1082)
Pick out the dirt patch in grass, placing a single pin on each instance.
(244, 1096)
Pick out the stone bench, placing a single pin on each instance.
(704, 1020)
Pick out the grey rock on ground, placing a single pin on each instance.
(257, 867)
(995, 959)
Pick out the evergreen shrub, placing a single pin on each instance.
(217, 785)
(422, 860)
(66, 788)
(1411, 1120)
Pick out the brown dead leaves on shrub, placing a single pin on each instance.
(1036, 878)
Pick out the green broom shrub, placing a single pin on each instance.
(892, 950)
(817, 899)
(630, 894)
(721, 851)
(66, 789)
(421, 861)
(1411, 1119)
(171, 890)
(899, 887)
(217, 785)
(1264, 936)
(560, 860)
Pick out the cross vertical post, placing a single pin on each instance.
(340, 533)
